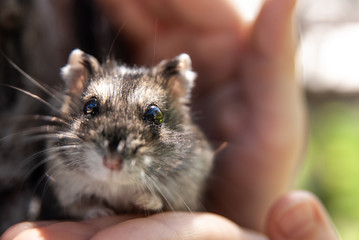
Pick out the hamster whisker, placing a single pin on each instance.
(52, 150)
(52, 172)
(166, 198)
(44, 177)
(143, 190)
(154, 183)
(155, 42)
(55, 136)
(55, 152)
(30, 159)
(184, 202)
(41, 186)
(36, 117)
(177, 194)
(37, 165)
(114, 41)
(31, 79)
(34, 96)
(48, 177)
(37, 130)
(149, 187)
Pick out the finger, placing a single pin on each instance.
(265, 126)
(273, 33)
(267, 74)
(273, 92)
(143, 19)
(62, 230)
(201, 14)
(138, 23)
(105, 222)
(300, 216)
(53, 231)
(186, 226)
(271, 60)
(271, 57)
(14, 231)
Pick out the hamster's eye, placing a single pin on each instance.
(91, 107)
(153, 114)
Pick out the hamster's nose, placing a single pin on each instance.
(113, 162)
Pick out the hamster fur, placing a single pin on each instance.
(129, 141)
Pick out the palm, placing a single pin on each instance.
(246, 92)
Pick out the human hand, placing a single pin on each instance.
(176, 225)
(299, 215)
(246, 93)
(295, 216)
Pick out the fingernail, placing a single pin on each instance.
(298, 220)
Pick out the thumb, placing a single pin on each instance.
(274, 32)
(300, 215)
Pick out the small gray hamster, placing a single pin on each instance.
(128, 141)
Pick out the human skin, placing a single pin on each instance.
(246, 93)
(295, 216)
(248, 96)
(299, 215)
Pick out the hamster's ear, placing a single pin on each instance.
(80, 66)
(178, 75)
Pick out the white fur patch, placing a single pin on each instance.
(121, 146)
(190, 76)
(97, 212)
(143, 175)
(149, 202)
(147, 160)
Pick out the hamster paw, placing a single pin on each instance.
(97, 212)
(147, 201)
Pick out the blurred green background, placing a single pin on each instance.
(331, 169)
(328, 60)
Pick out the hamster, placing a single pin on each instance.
(128, 141)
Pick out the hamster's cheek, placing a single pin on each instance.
(94, 167)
